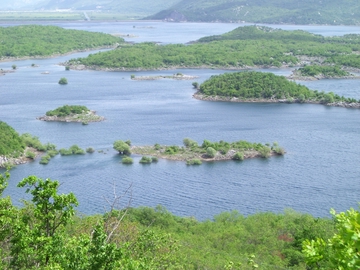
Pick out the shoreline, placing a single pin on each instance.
(11, 161)
(74, 118)
(40, 57)
(186, 156)
(199, 96)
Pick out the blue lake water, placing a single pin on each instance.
(319, 171)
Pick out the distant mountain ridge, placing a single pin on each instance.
(141, 7)
(333, 12)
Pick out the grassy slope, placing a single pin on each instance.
(273, 11)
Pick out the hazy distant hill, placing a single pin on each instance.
(265, 11)
(141, 7)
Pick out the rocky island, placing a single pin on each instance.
(255, 86)
(194, 154)
(73, 113)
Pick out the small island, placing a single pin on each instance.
(177, 76)
(252, 86)
(194, 154)
(72, 113)
(317, 72)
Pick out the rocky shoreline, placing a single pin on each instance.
(159, 77)
(200, 96)
(87, 117)
(11, 161)
(150, 151)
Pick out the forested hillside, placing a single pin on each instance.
(265, 11)
(11, 144)
(36, 40)
(243, 47)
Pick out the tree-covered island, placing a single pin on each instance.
(28, 41)
(245, 47)
(72, 113)
(317, 72)
(252, 86)
(193, 153)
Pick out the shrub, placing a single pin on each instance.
(145, 160)
(76, 150)
(63, 81)
(128, 142)
(14, 66)
(194, 162)
(239, 156)
(265, 152)
(45, 159)
(172, 149)
(189, 142)
(67, 68)
(65, 152)
(52, 153)
(122, 147)
(127, 160)
(30, 154)
(154, 159)
(195, 85)
(210, 152)
(157, 146)
(132, 76)
(90, 150)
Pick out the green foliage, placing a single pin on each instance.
(73, 150)
(33, 141)
(239, 156)
(154, 159)
(261, 85)
(194, 161)
(171, 150)
(246, 46)
(40, 40)
(327, 71)
(67, 68)
(90, 150)
(11, 144)
(190, 143)
(210, 152)
(122, 147)
(330, 12)
(14, 67)
(342, 249)
(63, 81)
(195, 85)
(68, 110)
(145, 160)
(30, 154)
(265, 152)
(127, 160)
(45, 159)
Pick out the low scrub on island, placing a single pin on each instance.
(194, 154)
(72, 113)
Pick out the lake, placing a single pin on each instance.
(319, 171)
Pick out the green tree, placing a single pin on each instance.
(343, 249)
(210, 152)
(122, 147)
(63, 81)
(38, 235)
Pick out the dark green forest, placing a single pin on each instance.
(263, 85)
(243, 47)
(330, 12)
(36, 40)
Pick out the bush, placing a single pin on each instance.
(127, 160)
(76, 150)
(157, 146)
(145, 160)
(189, 142)
(52, 153)
(65, 152)
(30, 154)
(45, 159)
(265, 152)
(122, 147)
(211, 152)
(239, 156)
(63, 81)
(90, 150)
(154, 159)
(194, 162)
(67, 68)
(195, 85)
(14, 67)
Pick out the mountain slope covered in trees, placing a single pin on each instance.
(265, 11)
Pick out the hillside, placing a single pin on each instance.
(11, 144)
(261, 11)
(36, 40)
(142, 8)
